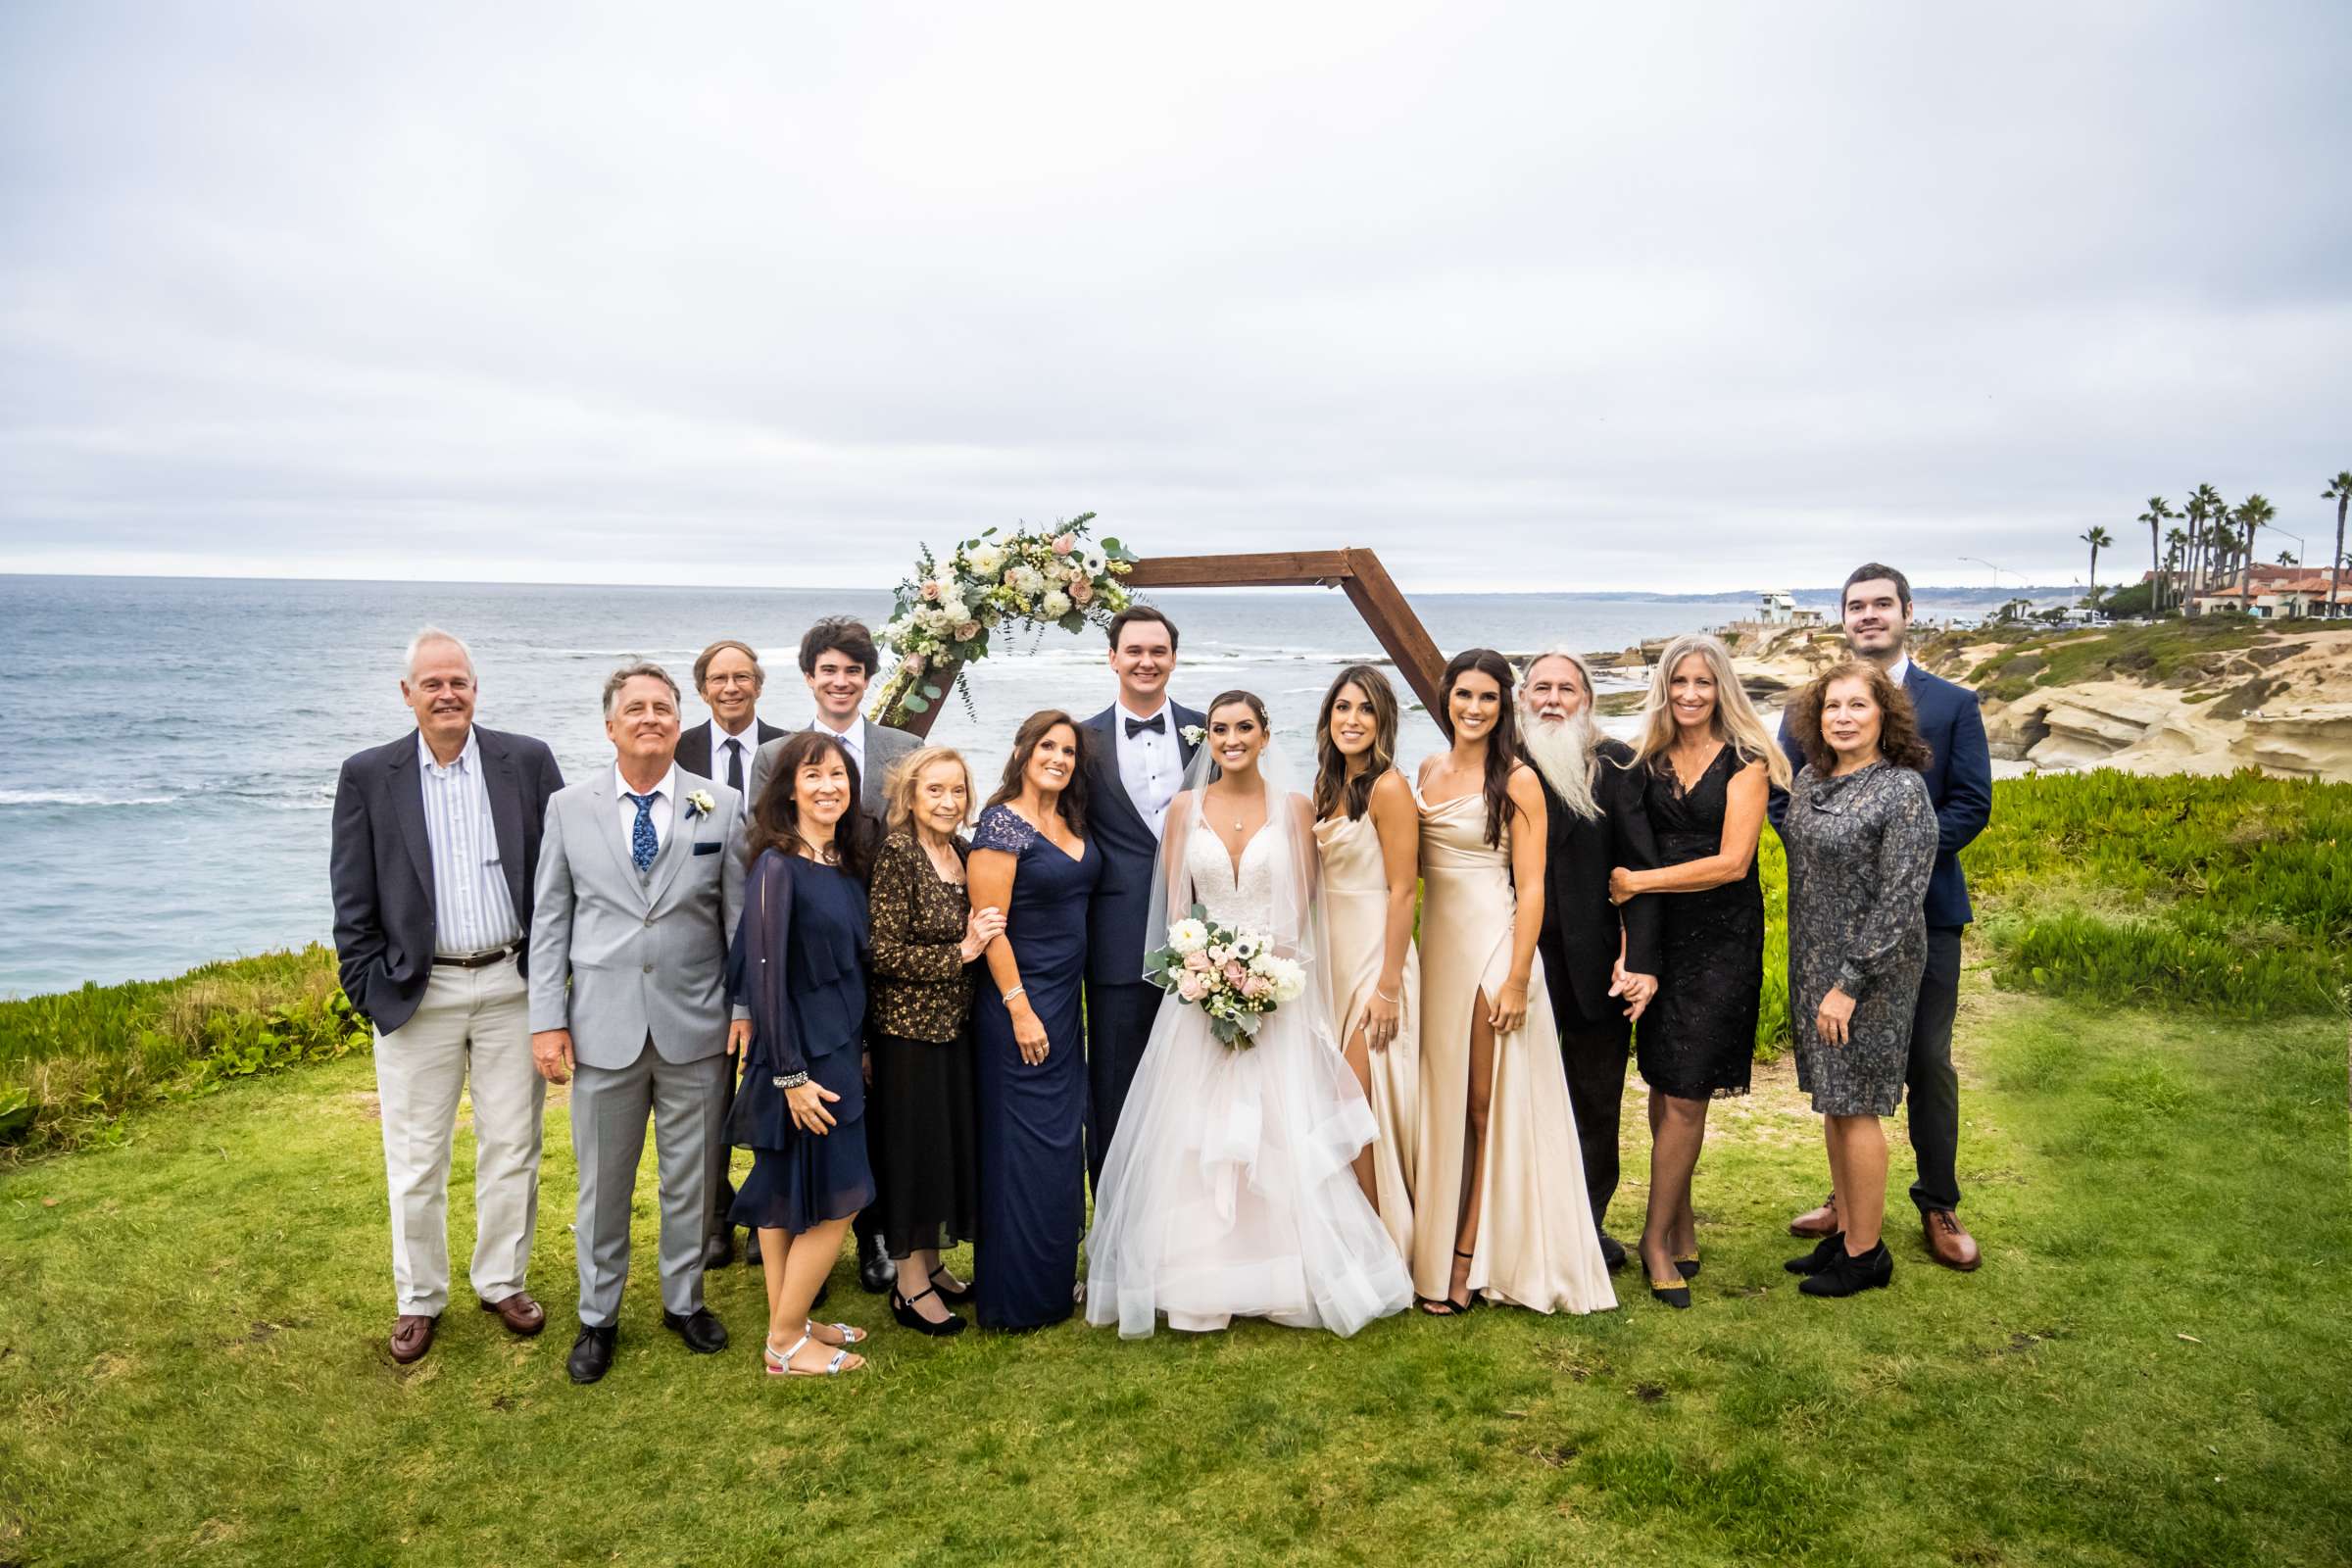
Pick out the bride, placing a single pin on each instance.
(1229, 1190)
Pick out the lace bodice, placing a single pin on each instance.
(1247, 900)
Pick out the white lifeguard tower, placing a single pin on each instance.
(1775, 607)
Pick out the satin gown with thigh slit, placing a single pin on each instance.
(1356, 919)
(1535, 1245)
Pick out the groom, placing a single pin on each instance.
(1136, 755)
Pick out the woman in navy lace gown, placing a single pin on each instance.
(1030, 858)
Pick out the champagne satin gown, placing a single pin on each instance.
(1355, 921)
(1535, 1245)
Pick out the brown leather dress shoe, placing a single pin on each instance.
(1948, 1240)
(412, 1337)
(520, 1314)
(1815, 1223)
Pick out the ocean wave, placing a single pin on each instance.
(70, 798)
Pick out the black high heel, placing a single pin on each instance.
(1446, 1305)
(952, 1295)
(909, 1318)
(1686, 1267)
(1675, 1292)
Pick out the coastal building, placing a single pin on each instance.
(1777, 606)
(2275, 593)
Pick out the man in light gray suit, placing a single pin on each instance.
(640, 885)
(838, 659)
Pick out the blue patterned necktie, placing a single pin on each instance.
(641, 842)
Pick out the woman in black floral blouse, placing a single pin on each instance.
(924, 936)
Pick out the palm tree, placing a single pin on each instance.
(2205, 506)
(2339, 491)
(2176, 554)
(2098, 539)
(2253, 511)
(2160, 511)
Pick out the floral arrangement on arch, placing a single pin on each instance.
(946, 614)
(1233, 975)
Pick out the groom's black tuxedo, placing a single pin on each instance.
(1120, 1003)
(380, 863)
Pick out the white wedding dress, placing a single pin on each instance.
(1228, 1190)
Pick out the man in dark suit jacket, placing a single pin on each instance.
(729, 678)
(1877, 613)
(1136, 755)
(435, 849)
(1600, 962)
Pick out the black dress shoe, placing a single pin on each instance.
(592, 1352)
(1612, 1252)
(702, 1331)
(719, 1250)
(1827, 1250)
(1848, 1275)
(876, 1273)
(751, 1247)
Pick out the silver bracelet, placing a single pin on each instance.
(1014, 991)
(792, 1080)
(1384, 997)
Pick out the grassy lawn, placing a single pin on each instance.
(2152, 1367)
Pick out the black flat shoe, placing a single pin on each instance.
(1848, 1275)
(876, 1273)
(909, 1318)
(1686, 1267)
(590, 1354)
(952, 1295)
(701, 1329)
(1827, 1250)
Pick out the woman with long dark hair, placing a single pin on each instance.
(1368, 838)
(1030, 858)
(1499, 1183)
(799, 965)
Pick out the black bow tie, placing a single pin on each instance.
(1157, 724)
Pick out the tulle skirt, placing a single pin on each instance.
(1229, 1191)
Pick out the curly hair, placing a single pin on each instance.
(1898, 721)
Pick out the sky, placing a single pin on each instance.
(1677, 296)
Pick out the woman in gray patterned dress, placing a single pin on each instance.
(1861, 837)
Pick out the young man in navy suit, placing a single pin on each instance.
(1136, 755)
(1877, 613)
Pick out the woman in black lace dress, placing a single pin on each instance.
(1705, 761)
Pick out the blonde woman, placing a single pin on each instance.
(1706, 763)
(926, 938)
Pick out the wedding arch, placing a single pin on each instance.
(1356, 572)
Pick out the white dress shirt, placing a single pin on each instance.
(1900, 670)
(664, 806)
(1150, 766)
(853, 738)
(472, 911)
(748, 740)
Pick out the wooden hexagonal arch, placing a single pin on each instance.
(1356, 572)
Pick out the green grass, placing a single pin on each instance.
(2150, 1369)
(2150, 654)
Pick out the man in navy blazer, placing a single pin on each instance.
(434, 852)
(1136, 755)
(1877, 613)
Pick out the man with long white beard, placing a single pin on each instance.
(1601, 960)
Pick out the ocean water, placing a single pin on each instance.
(172, 743)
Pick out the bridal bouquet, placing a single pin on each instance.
(1035, 577)
(1233, 975)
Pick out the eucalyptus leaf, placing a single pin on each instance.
(915, 704)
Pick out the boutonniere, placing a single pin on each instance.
(1195, 734)
(699, 804)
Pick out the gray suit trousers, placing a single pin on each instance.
(608, 1110)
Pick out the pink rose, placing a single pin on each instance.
(1081, 592)
(966, 631)
(931, 592)
(1256, 986)
(915, 664)
(1065, 544)
(1234, 974)
(1188, 984)
(1197, 962)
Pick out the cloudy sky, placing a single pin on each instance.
(1687, 296)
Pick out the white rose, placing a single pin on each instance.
(1188, 936)
(954, 609)
(1289, 980)
(986, 561)
(1056, 604)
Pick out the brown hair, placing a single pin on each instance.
(702, 662)
(1502, 743)
(1134, 613)
(899, 784)
(1898, 723)
(1333, 787)
(839, 634)
(776, 816)
(1035, 728)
